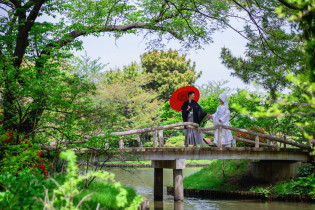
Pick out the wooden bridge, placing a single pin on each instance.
(276, 149)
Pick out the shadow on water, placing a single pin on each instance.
(141, 180)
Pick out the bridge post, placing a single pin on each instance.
(139, 141)
(161, 138)
(177, 165)
(121, 144)
(257, 142)
(233, 142)
(158, 184)
(220, 137)
(155, 139)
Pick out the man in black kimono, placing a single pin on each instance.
(192, 112)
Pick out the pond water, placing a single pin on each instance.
(141, 179)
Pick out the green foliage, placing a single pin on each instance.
(14, 157)
(170, 116)
(303, 184)
(215, 175)
(148, 144)
(305, 170)
(175, 141)
(287, 61)
(213, 88)
(87, 68)
(262, 190)
(123, 95)
(272, 50)
(40, 92)
(21, 189)
(169, 71)
(68, 194)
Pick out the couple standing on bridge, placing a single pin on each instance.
(192, 112)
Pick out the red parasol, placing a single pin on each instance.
(181, 95)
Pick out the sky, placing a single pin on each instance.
(129, 48)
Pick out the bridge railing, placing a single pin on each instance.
(158, 135)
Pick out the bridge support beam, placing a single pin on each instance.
(177, 166)
(273, 171)
(158, 184)
(178, 184)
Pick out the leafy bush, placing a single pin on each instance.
(148, 144)
(250, 137)
(68, 195)
(305, 184)
(16, 156)
(305, 170)
(175, 141)
(21, 189)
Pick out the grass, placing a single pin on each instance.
(216, 175)
(235, 175)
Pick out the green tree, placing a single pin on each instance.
(32, 48)
(272, 50)
(123, 95)
(169, 71)
(213, 88)
(299, 103)
(87, 68)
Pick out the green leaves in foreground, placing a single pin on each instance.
(66, 192)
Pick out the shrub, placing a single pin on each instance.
(17, 155)
(148, 144)
(175, 141)
(68, 194)
(250, 137)
(21, 189)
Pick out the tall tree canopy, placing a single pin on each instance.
(274, 48)
(36, 35)
(169, 71)
(129, 104)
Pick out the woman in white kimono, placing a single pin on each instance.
(222, 117)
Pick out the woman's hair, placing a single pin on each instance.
(190, 92)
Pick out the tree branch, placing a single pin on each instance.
(92, 29)
(16, 3)
(287, 4)
(24, 30)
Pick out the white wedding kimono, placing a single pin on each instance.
(223, 114)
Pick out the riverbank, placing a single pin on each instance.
(245, 195)
(231, 178)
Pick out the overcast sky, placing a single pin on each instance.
(130, 47)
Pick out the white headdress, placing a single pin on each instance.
(223, 97)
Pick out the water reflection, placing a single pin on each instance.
(158, 205)
(142, 181)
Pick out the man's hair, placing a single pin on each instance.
(190, 92)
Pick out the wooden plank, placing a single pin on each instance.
(145, 130)
(253, 142)
(267, 137)
(208, 129)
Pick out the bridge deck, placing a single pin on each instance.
(250, 153)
